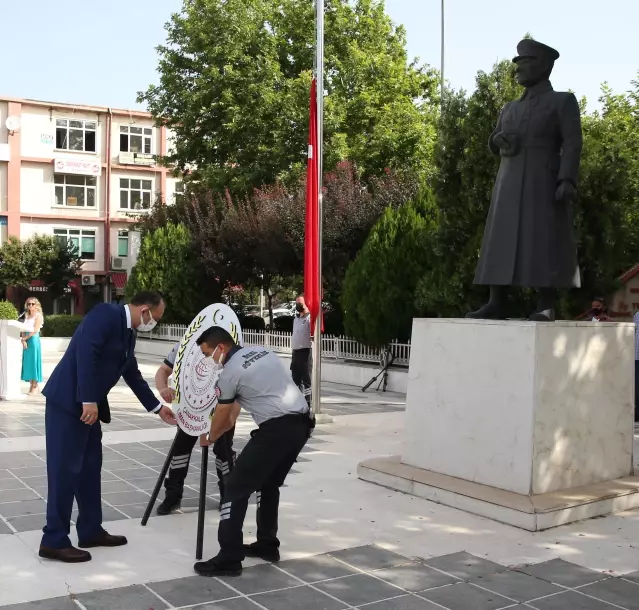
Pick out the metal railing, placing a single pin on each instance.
(339, 348)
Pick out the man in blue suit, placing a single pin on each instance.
(99, 354)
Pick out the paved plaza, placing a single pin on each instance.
(345, 543)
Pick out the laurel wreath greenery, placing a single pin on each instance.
(190, 331)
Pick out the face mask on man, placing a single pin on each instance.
(596, 311)
(217, 364)
(299, 307)
(146, 327)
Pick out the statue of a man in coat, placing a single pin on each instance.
(529, 238)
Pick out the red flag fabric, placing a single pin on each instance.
(311, 238)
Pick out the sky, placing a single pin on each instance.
(103, 53)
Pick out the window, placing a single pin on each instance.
(135, 139)
(179, 192)
(74, 190)
(75, 135)
(123, 243)
(135, 194)
(82, 240)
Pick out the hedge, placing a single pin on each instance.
(252, 323)
(61, 325)
(283, 324)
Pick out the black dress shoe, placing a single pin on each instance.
(547, 315)
(217, 567)
(267, 553)
(67, 555)
(490, 311)
(169, 505)
(104, 539)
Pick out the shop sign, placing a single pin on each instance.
(77, 166)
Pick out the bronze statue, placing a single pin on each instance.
(528, 238)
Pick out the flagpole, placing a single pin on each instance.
(443, 85)
(319, 74)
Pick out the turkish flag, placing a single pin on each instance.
(312, 237)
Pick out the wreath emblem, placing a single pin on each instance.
(199, 381)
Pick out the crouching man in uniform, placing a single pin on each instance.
(179, 468)
(254, 379)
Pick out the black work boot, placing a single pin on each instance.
(495, 309)
(545, 311)
(218, 567)
(172, 502)
(262, 551)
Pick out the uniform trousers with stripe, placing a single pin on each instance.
(262, 467)
(301, 371)
(183, 448)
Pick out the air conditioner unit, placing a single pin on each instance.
(117, 262)
(88, 280)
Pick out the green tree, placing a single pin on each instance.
(59, 262)
(234, 87)
(41, 257)
(607, 204)
(378, 298)
(259, 241)
(14, 270)
(167, 263)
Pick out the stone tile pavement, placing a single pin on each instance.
(129, 474)
(374, 578)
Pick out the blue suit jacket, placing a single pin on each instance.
(101, 351)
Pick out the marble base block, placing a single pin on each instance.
(523, 407)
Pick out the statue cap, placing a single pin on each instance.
(533, 48)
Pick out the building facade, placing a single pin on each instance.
(81, 173)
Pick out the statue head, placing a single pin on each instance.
(534, 61)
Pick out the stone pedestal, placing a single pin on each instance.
(11, 359)
(524, 422)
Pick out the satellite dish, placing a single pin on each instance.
(13, 123)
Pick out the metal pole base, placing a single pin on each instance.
(323, 418)
(199, 547)
(158, 485)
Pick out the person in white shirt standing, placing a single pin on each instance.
(301, 346)
(636, 321)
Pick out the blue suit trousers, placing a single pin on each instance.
(74, 464)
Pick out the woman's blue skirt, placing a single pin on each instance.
(32, 360)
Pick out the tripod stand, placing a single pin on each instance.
(386, 359)
(199, 545)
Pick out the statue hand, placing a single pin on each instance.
(499, 139)
(507, 143)
(565, 191)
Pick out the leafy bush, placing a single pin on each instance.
(334, 323)
(61, 325)
(8, 311)
(283, 324)
(379, 288)
(252, 323)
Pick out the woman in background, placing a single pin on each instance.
(32, 354)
